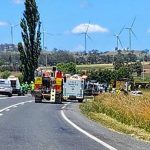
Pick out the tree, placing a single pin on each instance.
(67, 67)
(118, 60)
(31, 35)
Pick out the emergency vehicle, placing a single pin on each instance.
(15, 84)
(73, 88)
(48, 85)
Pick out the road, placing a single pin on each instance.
(25, 125)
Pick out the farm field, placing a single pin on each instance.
(95, 66)
(127, 114)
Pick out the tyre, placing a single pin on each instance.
(38, 100)
(80, 100)
(10, 95)
(19, 94)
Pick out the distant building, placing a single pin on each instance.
(8, 47)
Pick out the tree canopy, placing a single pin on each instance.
(31, 47)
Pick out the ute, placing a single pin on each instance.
(73, 88)
(48, 85)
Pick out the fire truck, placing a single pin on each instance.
(48, 85)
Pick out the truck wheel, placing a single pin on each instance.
(10, 95)
(38, 99)
(19, 94)
(80, 100)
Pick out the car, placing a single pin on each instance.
(5, 87)
(15, 84)
(137, 93)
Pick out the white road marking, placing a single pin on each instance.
(15, 105)
(85, 132)
(2, 98)
(22, 103)
(1, 114)
(7, 110)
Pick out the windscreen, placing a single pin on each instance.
(46, 82)
(13, 83)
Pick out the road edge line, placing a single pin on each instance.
(85, 132)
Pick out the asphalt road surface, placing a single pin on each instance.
(25, 125)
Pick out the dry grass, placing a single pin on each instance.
(95, 66)
(133, 111)
(13, 73)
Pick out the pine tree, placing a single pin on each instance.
(31, 36)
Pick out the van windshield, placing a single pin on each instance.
(13, 83)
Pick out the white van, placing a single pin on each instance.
(73, 88)
(5, 87)
(15, 84)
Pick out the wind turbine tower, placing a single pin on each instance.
(118, 39)
(130, 29)
(85, 36)
(12, 32)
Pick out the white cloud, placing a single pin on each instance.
(3, 23)
(18, 1)
(92, 28)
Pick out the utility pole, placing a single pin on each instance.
(46, 60)
(143, 67)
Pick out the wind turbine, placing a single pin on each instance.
(43, 33)
(118, 39)
(85, 36)
(12, 32)
(130, 29)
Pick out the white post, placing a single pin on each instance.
(143, 67)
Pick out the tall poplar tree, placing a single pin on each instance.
(31, 47)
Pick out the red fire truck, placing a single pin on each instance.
(48, 85)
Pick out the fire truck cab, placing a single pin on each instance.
(48, 85)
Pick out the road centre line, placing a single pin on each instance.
(14, 106)
(7, 110)
(2, 98)
(85, 132)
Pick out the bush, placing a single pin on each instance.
(5, 74)
(20, 77)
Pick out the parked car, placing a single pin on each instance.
(15, 84)
(5, 87)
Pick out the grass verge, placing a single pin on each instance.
(126, 114)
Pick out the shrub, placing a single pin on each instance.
(5, 74)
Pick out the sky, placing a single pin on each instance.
(66, 21)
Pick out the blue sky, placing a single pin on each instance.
(66, 19)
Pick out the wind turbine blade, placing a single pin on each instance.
(120, 42)
(133, 22)
(121, 30)
(49, 34)
(87, 27)
(16, 25)
(89, 37)
(133, 33)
